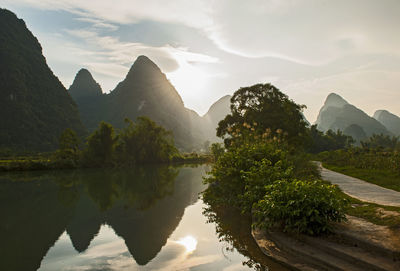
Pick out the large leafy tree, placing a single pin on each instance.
(261, 109)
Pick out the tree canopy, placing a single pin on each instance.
(144, 141)
(263, 108)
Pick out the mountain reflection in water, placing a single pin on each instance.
(110, 217)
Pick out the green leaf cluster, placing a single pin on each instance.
(300, 206)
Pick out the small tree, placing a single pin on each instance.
(68, 153)
(144, 142)
(69, 141)
(100, 145)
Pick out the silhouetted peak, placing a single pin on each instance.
(84, 73)
(334, 99)
(143, 66)
(144, 59)
(84, 85)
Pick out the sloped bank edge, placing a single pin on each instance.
(381, 243)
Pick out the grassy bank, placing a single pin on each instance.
(374, 213)
(381, 177)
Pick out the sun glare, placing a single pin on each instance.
(189, 242)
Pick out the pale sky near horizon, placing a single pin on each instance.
(210, 48)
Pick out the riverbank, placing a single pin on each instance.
(354, 245)
(48, 162)
(369, 240)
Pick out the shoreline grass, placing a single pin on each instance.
(384, 178)
(374, 213)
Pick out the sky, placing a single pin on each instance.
(210, 48)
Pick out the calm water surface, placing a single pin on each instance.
(147, 218)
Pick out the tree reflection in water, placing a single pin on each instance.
(234, 228)
(143, 206)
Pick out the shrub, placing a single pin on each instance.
(300, 206)
(236, 178)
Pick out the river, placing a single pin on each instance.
(145, 218)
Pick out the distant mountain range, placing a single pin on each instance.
(35, 107)
(338, 114)
(146, 91)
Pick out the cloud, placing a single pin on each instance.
(192, 13)
(98, 23)
(314, 32)
(108, 56)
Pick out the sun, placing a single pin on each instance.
(189, 80)
(189, 242)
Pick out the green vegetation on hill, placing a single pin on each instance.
(35, 107)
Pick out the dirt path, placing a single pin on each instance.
(360, 189)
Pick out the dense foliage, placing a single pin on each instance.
(382, 142)
(142, 141)
(328, 141)
(239, 175)
(263, 169)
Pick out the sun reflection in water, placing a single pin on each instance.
(189, 242)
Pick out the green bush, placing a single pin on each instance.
(236, 178)
(300, 206)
